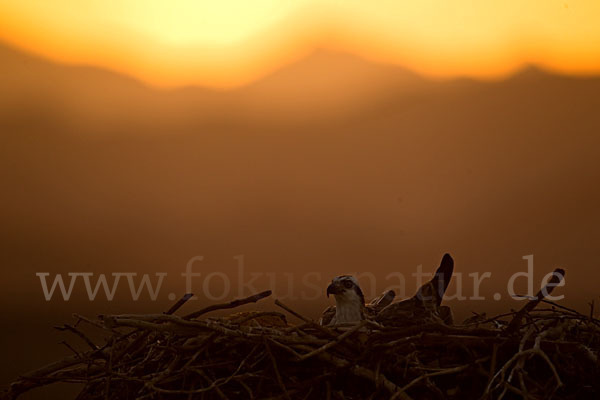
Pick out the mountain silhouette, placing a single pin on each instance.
(318, 85)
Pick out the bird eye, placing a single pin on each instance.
(347, 284)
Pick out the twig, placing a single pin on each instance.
(241, 321)
(309, 321)
(276, 369)
(68, 346)
(557, 276)
(67, 327)
(332, 343)
(109, 370)
(502, 372)
(232, 304)
(179, 303)
(366, 373)
(436, 373)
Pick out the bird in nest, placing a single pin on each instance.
(425, 306)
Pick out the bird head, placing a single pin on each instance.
(345, 288)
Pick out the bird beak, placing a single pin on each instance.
(333, 289)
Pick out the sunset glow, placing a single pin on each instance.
(230, 43)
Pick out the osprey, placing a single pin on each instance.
(350, 302)
(424, 306)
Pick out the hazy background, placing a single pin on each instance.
(330, 165)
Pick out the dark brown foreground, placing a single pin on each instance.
(542, 353)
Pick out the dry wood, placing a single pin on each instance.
(233, 304)
(531, 354)
(557, 276)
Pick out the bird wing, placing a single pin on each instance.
(327, 316)
(424, 306)
(402, 313)
(432, 292)
(383, 300)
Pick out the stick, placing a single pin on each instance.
(332, 343)
(233, 304)
(294, 313)
(515, 324)
(276, 369)
(366, 373)
(179, 303)
(241, 321)
(67, 327)
(36, 378)
(324, 330)
(436, 373)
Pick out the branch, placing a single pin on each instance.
(233, 304)
(515, 324)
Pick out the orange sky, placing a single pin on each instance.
(228, 43)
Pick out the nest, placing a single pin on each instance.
(534, 353)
